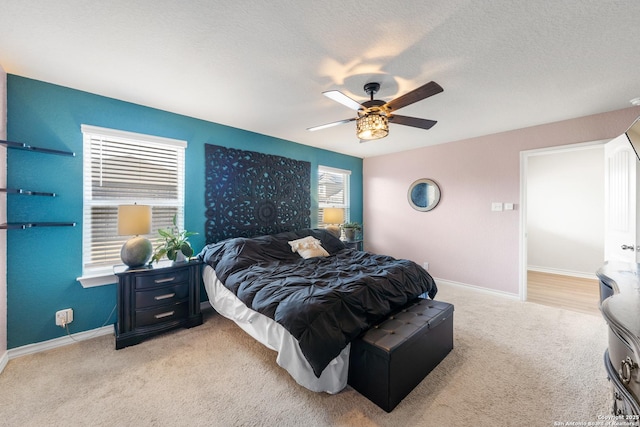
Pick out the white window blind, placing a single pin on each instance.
(333, 191)
(126, 168)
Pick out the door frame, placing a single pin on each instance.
(522, 239)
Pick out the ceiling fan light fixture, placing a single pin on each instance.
(372, 126)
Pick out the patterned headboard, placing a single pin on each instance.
(249, 194)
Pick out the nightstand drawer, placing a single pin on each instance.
(165, 278)
(162, 296)
(162, 314)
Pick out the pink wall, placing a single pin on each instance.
(462, 239)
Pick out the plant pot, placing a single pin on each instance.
(180, 257)
(350, 233)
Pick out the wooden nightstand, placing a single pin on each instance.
(156, 298)
(354, 244)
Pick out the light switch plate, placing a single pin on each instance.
(496, 206)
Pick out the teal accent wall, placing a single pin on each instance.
(43, 263)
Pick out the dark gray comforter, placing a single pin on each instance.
(323, 302)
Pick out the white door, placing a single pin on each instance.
(621, 239)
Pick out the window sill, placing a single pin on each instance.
(97, 279)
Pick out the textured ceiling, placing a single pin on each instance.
(261, 66)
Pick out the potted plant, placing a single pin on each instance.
(350, 229)
(175, 245)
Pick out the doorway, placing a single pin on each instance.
(562, 225)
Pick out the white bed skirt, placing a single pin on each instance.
(274, 336)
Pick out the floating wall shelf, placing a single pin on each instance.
(22, 146)
(26, 192)
(25, 225)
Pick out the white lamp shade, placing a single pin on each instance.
(333, 215)
(134, 220)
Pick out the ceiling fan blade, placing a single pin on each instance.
(328, 125)
(412, 121)
(343, 99)
(424, 91)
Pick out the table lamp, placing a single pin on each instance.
(135, 220)
(331, 217)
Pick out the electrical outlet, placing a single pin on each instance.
(425, 265)
(64, 317)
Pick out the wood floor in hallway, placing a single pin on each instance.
(568, 292)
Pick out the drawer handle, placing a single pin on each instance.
(168, 279)
(167, 314)
(626, 367)
(165, 296)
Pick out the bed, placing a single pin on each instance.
(306, 296)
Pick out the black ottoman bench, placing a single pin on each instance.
(391, 358)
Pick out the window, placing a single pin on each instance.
(333, 191)
(126, 168)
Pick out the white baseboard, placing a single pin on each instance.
(63, 341)
(4, 360)
(59, 342)
(446, 282)
(570, 273)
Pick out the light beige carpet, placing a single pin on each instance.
(514, 364)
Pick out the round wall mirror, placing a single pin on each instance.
(423, 195)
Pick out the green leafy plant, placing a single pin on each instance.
(174, 241)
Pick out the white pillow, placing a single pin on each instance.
(308, 247)
(304, 243)
(313, 252)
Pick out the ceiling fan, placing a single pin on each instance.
(374, 115)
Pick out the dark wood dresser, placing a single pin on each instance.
(620, 306)
(156, 298)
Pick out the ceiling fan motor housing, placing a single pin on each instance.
(373, 106)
